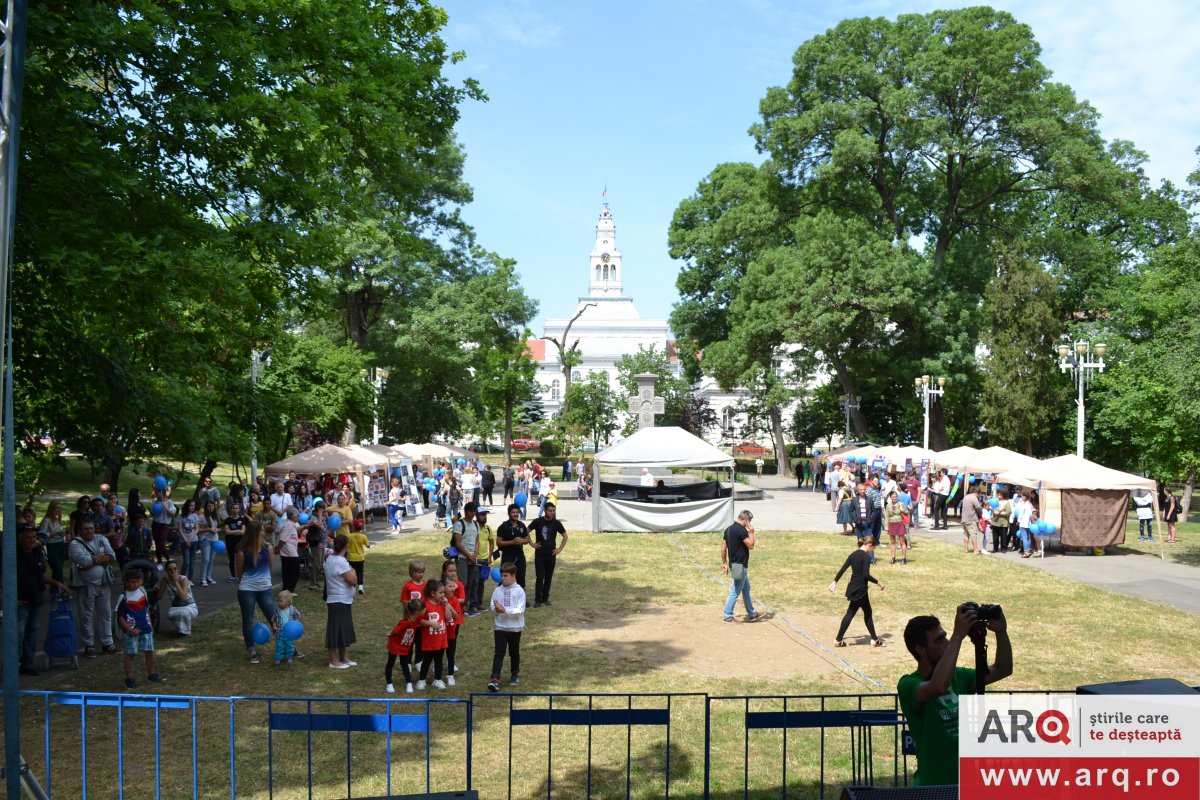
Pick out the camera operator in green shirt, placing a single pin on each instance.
(929, 696)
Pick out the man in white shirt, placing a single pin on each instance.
(647, 478)
(941, 491)
(281, 501)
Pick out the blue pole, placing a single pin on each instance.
(14, 78)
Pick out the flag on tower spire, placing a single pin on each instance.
(605, 192)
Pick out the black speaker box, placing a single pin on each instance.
(1151, 686)
(900, 793)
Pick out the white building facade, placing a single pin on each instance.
(606, 326)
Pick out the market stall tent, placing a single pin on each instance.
(996, 460)
(687, 503)
(1094, 499)
(955, 457)
(326, 458)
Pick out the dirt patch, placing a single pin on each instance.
(694, 640)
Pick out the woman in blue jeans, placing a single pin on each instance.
(253, 569)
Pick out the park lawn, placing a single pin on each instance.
(74, 479)
(1185, 551)
(1064, 634)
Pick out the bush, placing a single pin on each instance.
(549, 448)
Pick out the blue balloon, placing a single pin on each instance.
(160, 483)
(905, 500)
(462, 462)
(1050, 527)
(293, 630)
(156, 509)
(260, 633)
(1039, 527)
(994, 502)
(496, 574)
(451, 552)
(304, 518)
(484, 572)
(120, 510)
(973, 479)
(521, 499)
(335, 522)
(218, 546)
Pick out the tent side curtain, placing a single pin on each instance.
(701, 515)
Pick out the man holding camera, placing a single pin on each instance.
(929, 696)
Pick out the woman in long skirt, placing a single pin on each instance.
(845, 517)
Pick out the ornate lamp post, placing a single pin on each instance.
(849, 403)
(1081, 370)
(924, 391)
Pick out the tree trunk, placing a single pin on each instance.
(783, 465)
(508, 419)
(112, 474)
(858, 420)
(1185, 506)
(938, 440)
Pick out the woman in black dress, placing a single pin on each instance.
(859, 564)
(1170, 513)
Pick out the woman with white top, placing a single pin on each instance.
(253, 570)
(340, 580)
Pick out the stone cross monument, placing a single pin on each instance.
(646, 404)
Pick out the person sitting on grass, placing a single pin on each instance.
(133, 615)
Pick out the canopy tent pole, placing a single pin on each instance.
(1162, 553)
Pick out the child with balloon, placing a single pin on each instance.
(288, 628)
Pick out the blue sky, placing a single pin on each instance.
(647, 97)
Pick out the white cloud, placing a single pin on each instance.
(514, 22)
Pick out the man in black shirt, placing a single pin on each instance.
(736, 545)
(511, 538)
(510, 480)
(487, 482)
(32, 581)
(543, 531)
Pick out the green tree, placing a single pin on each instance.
(818, 417)
(939, 129)
(674, 391)
(1148, 402)
(1024, 396)
(592, 406)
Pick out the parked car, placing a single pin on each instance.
(526, 445)
(752, 449)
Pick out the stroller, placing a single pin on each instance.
(61, 642)
(150, 576)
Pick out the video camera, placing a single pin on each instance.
(984, 612)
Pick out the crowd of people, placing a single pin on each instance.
(160, 552)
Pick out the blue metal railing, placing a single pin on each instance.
(195, 718)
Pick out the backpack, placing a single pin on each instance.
(60, 630)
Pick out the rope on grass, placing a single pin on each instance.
(720, 580)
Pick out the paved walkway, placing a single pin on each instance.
(1134, 575)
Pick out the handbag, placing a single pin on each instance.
(737, 571)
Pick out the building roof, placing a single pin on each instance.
(536, 349)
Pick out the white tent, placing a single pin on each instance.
(326, 458)
(954, 457)
(1094, 498)
(996, 459)
(624, 505)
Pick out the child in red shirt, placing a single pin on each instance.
(434, 634)
(450, 573)
(455, 602)
(414, 590)
(401, 641)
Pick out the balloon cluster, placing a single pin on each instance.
(1042, 527)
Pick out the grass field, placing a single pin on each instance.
(633, 614)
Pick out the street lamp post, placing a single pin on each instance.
(925, 392)
(1081, 369)
(849, 403)
(256, 359)
(381, 376)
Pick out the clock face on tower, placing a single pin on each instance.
(604, 257)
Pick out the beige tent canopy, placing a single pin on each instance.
(954, 457)
(1095, 499)
(327, 458)
(997, 459)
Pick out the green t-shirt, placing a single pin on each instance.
(934, 726)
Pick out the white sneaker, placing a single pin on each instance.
(390, 689)
(352, 663)
(408, 688)
(449, 680)
(420, 684)
(456, 669)
(439, 684)
(362, 590)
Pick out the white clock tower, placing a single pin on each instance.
(605, 259)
